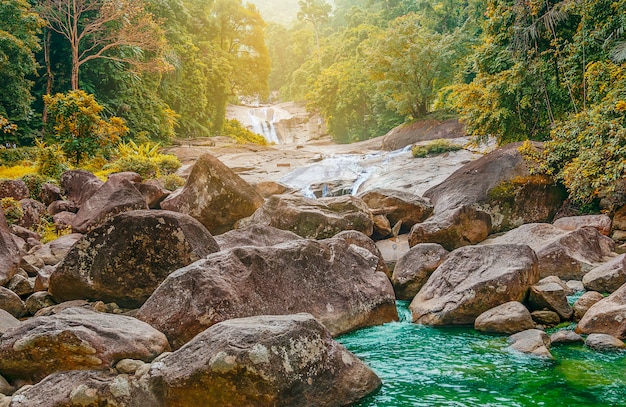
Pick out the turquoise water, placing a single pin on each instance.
(425, 366)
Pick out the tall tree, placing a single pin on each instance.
(315, 12)
(118, 30)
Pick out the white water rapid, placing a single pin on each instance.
(262, 120)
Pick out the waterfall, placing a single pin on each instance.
(262, 121)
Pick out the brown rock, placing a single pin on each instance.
(382, 227)
(568, 255)
(601, 222)
(330, 279)
(398, 206)
(7, 321)
(414, 268)
(582, 304)
(604, 343)
(453, 229)
(619, 219)
(49, 193)
(565, 336)
(472, 280)
(53, 252)
(42, 279)
(607, 316)
(315, 218)
(12, 303)
(79, 185)
(508, 318)
(214, 195)
(546, 318)
(9, 252)
(24, 233)
(127, 175)
(393, 249)
(37, 301)
(33, 212)
(21, 285)
(127, 258)
(76, 339)
(269, 188)
(550, 295)
(153, 192)
(62, 206)
(254, 235)
(532, 341)
(263, 361)
(15, 189)
(116, 196)
(361, 240)
(607, 277)
(64, 220)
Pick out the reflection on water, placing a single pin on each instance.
(424, 366)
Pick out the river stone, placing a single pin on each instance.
(63, 220)
(414, 268)
(76, 339)
(547, 294)
(315, 218)
(263, 361)
(62, 206)
(398, 206)
(531, 341)
(393, 249)
(508, 318)
(7, 321)
(79, 185)
(601, 222)
(453, 229)
(331, 279)
(565, 336)
(472, 280)
(568, 255)
(49, 193)
(12, 303)
(382, 227)
(607, 316)
(214, 195)
(584, 302)
(254, 235)
(117, 195)
(604, 343)
(361, 240)
(153, 192)
(42, 279)
(124, 260)
(15, 189)
(33, 212)
(546, 318)
(52, 253)
(607, 277)
(9, 252)
(501, 184)
(21, 285)
(82, 388)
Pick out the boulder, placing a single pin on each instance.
(407, 134)
(15, 189)
(393, 249)
(575, 286)
(42, 279)
(124, 260)
(606, 316)
(531, 341)
(53, 252)
(382, 227)
(546, 318)
(604, 343)
(81, 388)
(584, 302)
(508, 318)
(33, 212)
(600, 222)
(502, 184)
(9, 252)
(472, 280)
(331, 279)
(414, 268)
(619, 224)
(116, 196)
(12, 303)
(567, 255)
(254, 235)
(24, 233)
(79, 185)
(315, 218)
(131, 176)
(64, 220)
(7, 321)
(76, 339)
(361, 240)
(607, 277)
(565, 336)
(547, 294)
(269, 188)
(21, 285)
(398, 206)
(37, 301)
(262, 361)
(49, 193)
(153, 192)
(62, 206)
(214, 195)
(453, 229)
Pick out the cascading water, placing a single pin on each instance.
(262, 121)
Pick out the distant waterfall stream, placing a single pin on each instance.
(262, 121)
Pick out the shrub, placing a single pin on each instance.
(144, 159)
(168, 164)
(12, 209)
(49, 232)
(434, 147)
(233, 128)
(16, 171)
(34, 183)
(51, 161)
(15, 156)
(172, 182)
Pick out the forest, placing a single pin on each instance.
(152, 70)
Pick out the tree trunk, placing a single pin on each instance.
(75, 69)
(46, 56)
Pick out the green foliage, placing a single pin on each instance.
(144, 159)
(233, 128)
(76, 125)
(13, 156)
(434, 147)
(172, 182)
(12, 210)
(51, 161)
(34, 183)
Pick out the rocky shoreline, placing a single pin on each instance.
(230, 290)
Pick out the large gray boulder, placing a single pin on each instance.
(125, 259)
(568, 255)
(215, 196)
(502, 184)
(452, 229)
(606, 316)
(117, 195)
(254, 235)
(607, 277)
(262, 361)
(472, 280)
(315, 218)
(75, 339)
(414, 268)
(509, 318)
(398, 206)
(331, 279)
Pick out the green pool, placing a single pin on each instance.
(423, 366)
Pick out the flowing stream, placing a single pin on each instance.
(426, 366)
